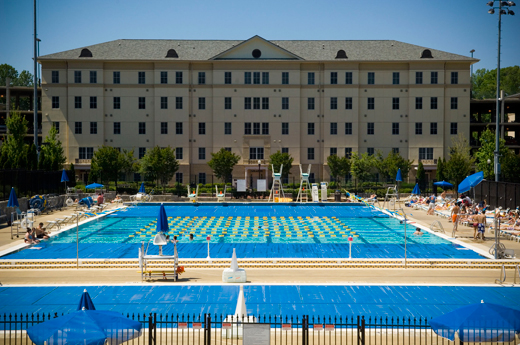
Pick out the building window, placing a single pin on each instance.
(178, 77)
(333, 78)
(202, 78)
(285, 150)
(256, 77)
(395, 150)
(333, 128)
(116, 77)
(178, 176)
(202, 178)
(418, 77)
(395, 78)
(141, 77)
(425, 153)
(142, 103)
(202, 103)
(93, 128)
(227, 77)
(56, 126)
(227, 128)
(285, 78)
(247, 128)
(78, 128)
(310, 78)
(256, 153)
(333, 151)
(348, 128)
(418, 128)
(77, 77)
(348, 152)
(348, 103)
(164, 127)
(265, 102)
(227, 103)
(370, 103)
(453, 128)
(333, 103)
(370, 128)
(433, 128)
(164, 102)
(285, 103)
(178, 102)
(433, 102)
(454, 77)
(93, 77)
(454, 103)
(265, 128)
(310, 153)
(93, 102)
(117, 102)
(348, 78)
(55, 102)
(55, 77)
(395, 128)
(247, 103)
(418, 103)
(310, 103)
(86, 152)
(117, 127)
(77, 102)
(256, 102)
(265, 77)
(310, 128)
(285, 128)
(247, 77)
(395, 103)
(164, 77)
(202, 128)
(202, 153)
(142, 127)
(142, 152)
(178, 127)
(370, 151)
(371, 78)
(178, 153)
(434, 78)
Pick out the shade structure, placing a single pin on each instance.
(86, 327)
(64, 176)
(13, 200)
(471, 181)
(162, 220)
(481, 322)
(141, 189)
(94, 186)
(416, 190)
(398, 177)
(443, 184)
(85, 301)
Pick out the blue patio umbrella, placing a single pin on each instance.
(443, 184)
(162, 220)
(416, 189)
(85, 301)
(94, 186)
(481, 322)
(471, 181)
(141, 189)
(13, 200)
(64, 176)
(398, 177)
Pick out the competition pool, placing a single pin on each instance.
(255, 230)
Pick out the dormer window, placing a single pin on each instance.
(341, 54)
(85, 53)
(172, 54)
(426, 54)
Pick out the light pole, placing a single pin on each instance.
(259, 162)
(502, 7)
(35, 85)
(471, 76)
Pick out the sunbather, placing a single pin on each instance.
(40, 232)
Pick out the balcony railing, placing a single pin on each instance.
(255, 161)
(83, 161)
(428, 161)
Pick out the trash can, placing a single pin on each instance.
(337, 196)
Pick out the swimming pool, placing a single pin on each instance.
(256, 230)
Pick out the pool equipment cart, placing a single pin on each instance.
(277, 188)
(324, 191)
(304, 184)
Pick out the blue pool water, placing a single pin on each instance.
(256, 231)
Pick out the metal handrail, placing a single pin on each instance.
(441, 228)
(405, 221)
(502, 276)
(517, 269)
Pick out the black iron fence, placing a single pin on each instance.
(504, 194)
(159, 329)
(30, 182)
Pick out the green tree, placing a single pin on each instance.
(389, 165)
(440, 175)
(484, 82)
(25, 78)
(159, 164)
(8, 71)
(507, 159)
(222, 164)
(13, 152)
(460, 164)
(105, 164)
(510, 167)
(339, 166)
(52, 156)
(361, 166)
(277, 159)
(421, 176)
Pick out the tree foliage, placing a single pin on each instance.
(159, 164)
(52, 156)
(105, 164)
(222, 164)
(389, 165)
(339, 166)
(14, 151)
(484, 82)
(421, 176)
(361, 166)
(25, 78)
(277, 159)
(460, 164)
(441, 170)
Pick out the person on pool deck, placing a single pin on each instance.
(481, 225)
(100, 198)
(454, 215)
(40, 232)
(418, 232)
(30, 237)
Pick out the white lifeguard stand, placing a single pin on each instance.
(304, 184)
(391, 197)
(222, 196)
(277, 188)
(193, 197)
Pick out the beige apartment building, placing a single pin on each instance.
(255, 97)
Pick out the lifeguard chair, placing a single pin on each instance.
(304, 184)
(391, 197)
(193, 197)
(221, 197)
(277, 188)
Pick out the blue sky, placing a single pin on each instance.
(452, 26)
